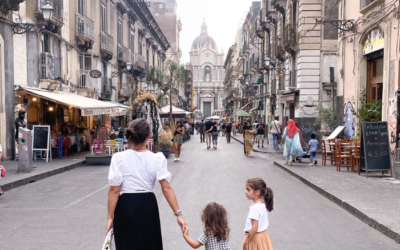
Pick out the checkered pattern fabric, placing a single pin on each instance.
(212, 243)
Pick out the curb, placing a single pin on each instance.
(346, 206)
(255, 150)
(41, 176)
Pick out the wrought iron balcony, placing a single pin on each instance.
(85, 81)
(290, 38)
(280, 53)
(106, 88)
(50, 66)
(123, 53)
(106, 49)
(84, 32)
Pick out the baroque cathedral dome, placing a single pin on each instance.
(204, 38)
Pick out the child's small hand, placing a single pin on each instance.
(186, 232)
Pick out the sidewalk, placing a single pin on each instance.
(267, 148)
(14, 179)
(374, 200)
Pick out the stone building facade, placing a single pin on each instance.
(208, 74)
(59, 55)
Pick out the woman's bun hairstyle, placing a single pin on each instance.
(138, 131)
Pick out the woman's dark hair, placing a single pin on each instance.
(312, 136)
(138, 131)
(215, 221)
(215, 123)
(266, 192)
(179, 122)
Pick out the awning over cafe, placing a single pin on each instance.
(122, 110)
(87, 106)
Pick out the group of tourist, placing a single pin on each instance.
(209, 132)
(133, 213)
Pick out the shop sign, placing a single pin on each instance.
(90, 112)
(95, 73)
(375, 41)
(287, 98)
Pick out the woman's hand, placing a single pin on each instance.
(110, 225)
(186, 232)
(245, 245)
(182, 223)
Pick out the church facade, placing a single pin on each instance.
(208, 75)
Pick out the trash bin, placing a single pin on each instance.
(25, 154)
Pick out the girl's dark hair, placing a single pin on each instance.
(266, 192)
(138, 131)
(178, 123)
(215, 221)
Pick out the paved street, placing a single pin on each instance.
(68, 211)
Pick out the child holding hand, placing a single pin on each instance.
(216, 231)
(257, 220)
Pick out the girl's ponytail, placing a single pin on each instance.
(269, 199)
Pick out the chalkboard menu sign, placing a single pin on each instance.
(375, 147)
(41, 137)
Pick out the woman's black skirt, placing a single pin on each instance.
(137, 223)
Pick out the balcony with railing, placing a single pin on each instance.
(85, 81)
(290, 38)
(106, 48)
(106, 88)
(280, 53)
(50, 66)
(84, 31)
(126, 91)
(123, 53)
(139, 61)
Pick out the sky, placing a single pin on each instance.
(223, 18)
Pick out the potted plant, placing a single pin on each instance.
(165, 143)
(102, 158)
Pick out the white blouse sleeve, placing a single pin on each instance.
(115, 177)
(162, 168)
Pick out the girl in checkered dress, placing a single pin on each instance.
(256, 235)
(216, 231)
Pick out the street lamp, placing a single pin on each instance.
(129, 66)
(47, 10)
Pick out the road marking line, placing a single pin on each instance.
(85, 197)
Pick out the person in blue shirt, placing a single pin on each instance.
(313, 144)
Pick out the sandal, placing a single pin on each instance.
(286, 163)
(290, 164)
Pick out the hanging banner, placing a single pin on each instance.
(375, 41)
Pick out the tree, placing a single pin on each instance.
(177, 75)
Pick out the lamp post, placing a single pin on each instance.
(21, 28)
(47, 11)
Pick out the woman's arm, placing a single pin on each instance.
(183, 131)
(252, 233)
(169, 194)
(113, 195)
(193, 243)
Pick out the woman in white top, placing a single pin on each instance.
(256, 235)
(132, 206)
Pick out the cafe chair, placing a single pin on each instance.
(332, 148)
(120, 144)
(326, 153)
(355, 163)
(343, 158)
(113, 148)
(58, 151)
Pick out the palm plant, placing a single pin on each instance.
(177, 76)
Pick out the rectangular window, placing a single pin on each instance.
(141, 46)
(331, 12)
(132, 39)
(103, 18)
(82, 7)
(120, 34)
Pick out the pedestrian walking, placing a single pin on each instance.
(132, 206)
(178, 139)
(276, 129)
(291, 138)
(208, 125)
(260, 133)
(228, 130)
(248, 135)
(234, 128)
(257, 222)
(216, 230)
(223, 127)
(313, 150)
(1, 190)
(214, 132)
(255, 131)
(19, 122)
(196, 127)
(201, 130)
